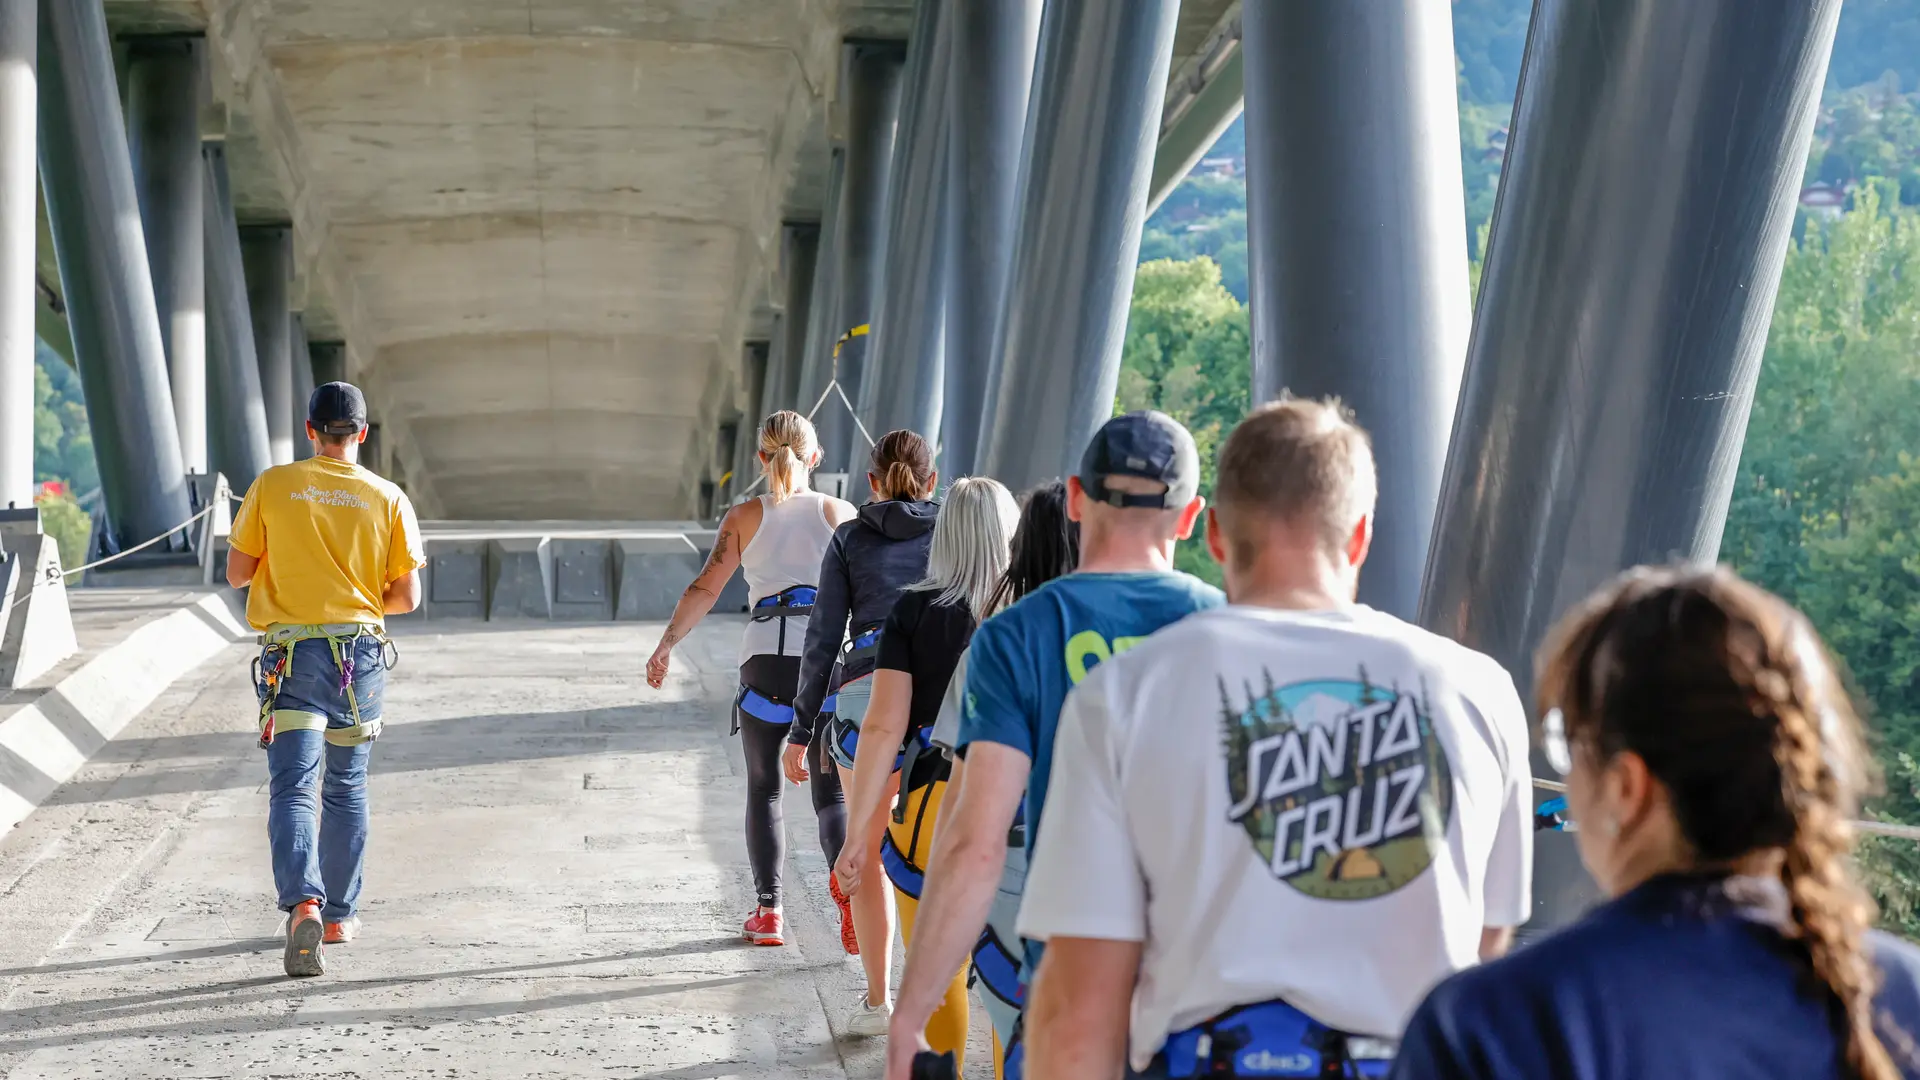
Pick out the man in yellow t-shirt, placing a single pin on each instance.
(329, 550)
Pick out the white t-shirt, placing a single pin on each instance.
(1390, 763)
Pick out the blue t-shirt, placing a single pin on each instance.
(1026, 658)
(1667, 981)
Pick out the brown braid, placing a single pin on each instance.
(1728, 696)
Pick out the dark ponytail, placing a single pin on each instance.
(1046, 545)
(903, 465)
(1727, 694)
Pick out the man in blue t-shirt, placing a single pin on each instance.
(1136, 496)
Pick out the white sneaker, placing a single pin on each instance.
(869, 1020)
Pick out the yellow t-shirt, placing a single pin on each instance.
(330, 537)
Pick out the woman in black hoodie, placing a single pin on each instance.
(869, 563)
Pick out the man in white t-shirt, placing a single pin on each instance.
(1275, 825)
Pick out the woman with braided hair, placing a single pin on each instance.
(1713, 765)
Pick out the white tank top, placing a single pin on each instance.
(784, 552)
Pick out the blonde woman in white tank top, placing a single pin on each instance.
(778, 541)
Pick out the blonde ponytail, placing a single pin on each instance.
(788, 443)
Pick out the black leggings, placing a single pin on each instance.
(776, 677)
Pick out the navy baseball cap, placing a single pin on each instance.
(337, 408)
(1150, 445)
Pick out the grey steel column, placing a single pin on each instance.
(993, 53)
(1650, 189)
(800, 254)
(164, 80)
(267, 253)
(1089, 156)
(329, 361)
(903, 388)
(87, 177)
(18, 42)
(873, 107)
(237, 415)
(823, 304)
(302, 386)
(1358, 261)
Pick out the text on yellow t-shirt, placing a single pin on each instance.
(331, 536)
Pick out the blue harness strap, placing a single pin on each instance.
(1013, 1056)
(1271, 1038)
(846, 740)
(791, 602)
(865, 643)
(757, 705)
(905, 876)
(998, 967)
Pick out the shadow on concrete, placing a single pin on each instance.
(231, 948)
(232, 991)
(48, 1030)
(421, 746)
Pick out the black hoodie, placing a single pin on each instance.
(869, 563)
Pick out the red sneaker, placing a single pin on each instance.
(848, 941)
(303, 956)
(766, 928)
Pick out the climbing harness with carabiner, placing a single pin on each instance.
(276, 659)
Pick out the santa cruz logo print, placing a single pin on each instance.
(1341, 785)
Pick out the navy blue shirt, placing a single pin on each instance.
(1668, 982)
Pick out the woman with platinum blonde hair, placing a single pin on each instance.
(920, 644)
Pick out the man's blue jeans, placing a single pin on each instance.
(317, 803)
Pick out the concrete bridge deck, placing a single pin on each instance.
(554, 886)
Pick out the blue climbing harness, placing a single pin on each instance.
(998, 968)
(1552, 816)
(1271, 1038)
(792, 602)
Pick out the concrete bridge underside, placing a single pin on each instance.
(544, 228)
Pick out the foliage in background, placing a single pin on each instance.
(63, 452)
(69, 525)
(62, 442)
(1826, 509)
(1187, 353)
(1206, 216)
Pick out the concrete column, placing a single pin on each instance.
(87, 176)
(267, 253)
(1101, 75)
(823, 305)
(1650, 188)
(993, 52)
(329, 361)
(165, 77)
(1358, 259)
(19, 38)
(800, 253)
(302, 386)
(873, 108)
(903, 388)
(237, 416)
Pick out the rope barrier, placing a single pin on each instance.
(1875, 828)
(833, 387)
(140, 546)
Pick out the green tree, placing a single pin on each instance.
(1826, 506)
(1838, 390)
(62, 441)
(1188, 353)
